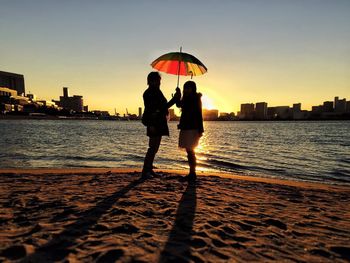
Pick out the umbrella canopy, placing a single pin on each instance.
(179, 63)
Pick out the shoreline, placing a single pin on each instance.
(89, 171)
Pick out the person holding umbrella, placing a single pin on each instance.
(191, 124)
(155, 119)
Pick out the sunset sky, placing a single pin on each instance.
(277, 51)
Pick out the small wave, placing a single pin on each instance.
(135, 157)
(345, 160)
(226, 164)
(234, 166)
(76, 158)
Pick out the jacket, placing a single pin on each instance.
(191, 113)
(156, 111)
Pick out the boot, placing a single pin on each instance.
(192, 163)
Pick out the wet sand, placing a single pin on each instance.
(103, 215)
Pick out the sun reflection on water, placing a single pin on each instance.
(201, 151)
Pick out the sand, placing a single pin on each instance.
(93, 215)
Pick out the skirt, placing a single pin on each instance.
(188, 139)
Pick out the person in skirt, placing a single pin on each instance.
(191, 124)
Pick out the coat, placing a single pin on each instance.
(191, 113)
(156, 111)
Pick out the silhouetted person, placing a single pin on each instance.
(191, 124)
(155, 118)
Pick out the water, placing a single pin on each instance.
(310, 151)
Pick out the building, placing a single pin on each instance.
(339, 105)
(74, 103)
(283, 112)
(348, 106)
(225, 116)
(271, 113)
(32, 97)
(140, 112)
(247, 111)
(296, 107)
(48, 103)
(10, 96)
(327, 106)
(6, 92)
(317, 109)
(210, 115)
(12, 81)
(261, 110)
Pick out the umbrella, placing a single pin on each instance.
(179, 63)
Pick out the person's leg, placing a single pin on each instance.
(191, 156)
(153, 146)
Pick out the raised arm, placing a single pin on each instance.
(175, 99)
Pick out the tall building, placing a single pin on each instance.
(339, 105)
(247, 111)
(140, 112)
(296, 107)
(74, 103)
(12, 81)
(261, 110)
(65, 92)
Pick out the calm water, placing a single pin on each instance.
(312, 151)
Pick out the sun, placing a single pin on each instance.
(207, 103)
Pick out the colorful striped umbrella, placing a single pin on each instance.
(179, 63)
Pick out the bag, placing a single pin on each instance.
(145, 119)
(151, 119)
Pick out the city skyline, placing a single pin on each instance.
(276, 51)
(14, 100)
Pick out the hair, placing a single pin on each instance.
(154, 75)
(191, 85)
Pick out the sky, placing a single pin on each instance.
(278, 51)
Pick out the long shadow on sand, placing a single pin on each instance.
(59, 246)
(178, 245)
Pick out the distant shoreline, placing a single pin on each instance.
(52, 117)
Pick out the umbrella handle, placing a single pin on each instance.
(178, 70)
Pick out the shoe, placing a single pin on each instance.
(192, 177)
(146, 175)
(154, 174)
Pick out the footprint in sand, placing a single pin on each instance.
(276, 223)
(14, 252)
(126, 229)
(198, 243)
(344, 252)
(110, 256)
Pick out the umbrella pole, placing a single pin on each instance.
(178, 70)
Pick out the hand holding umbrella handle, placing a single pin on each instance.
(177, 93)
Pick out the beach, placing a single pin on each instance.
(108, 215)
